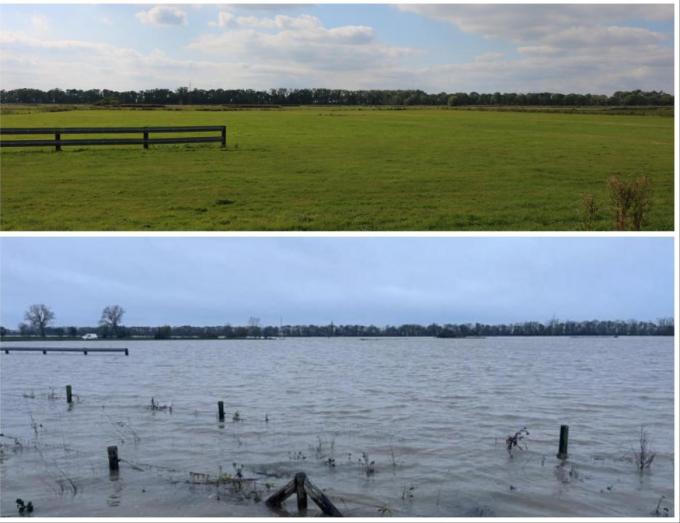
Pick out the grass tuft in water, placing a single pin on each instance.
(645, 456)
(515, 441)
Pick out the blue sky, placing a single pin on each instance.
(484, 48)
(215, 281)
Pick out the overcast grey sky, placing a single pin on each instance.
(214, 281)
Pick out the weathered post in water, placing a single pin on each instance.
(69, 396)
(220, 410)
(300, 478)
(564, 442)
(321, 499)
(113, 458)
(301, 486)
(274, 501)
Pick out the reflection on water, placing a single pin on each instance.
(431, 414)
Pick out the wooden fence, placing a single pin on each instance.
(45, 350)
(145, 141)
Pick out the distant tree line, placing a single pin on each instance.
(38, 318)
(186, 96)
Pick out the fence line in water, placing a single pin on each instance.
(45, 350)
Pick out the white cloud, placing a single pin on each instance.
(595, 74)
(302, 27)
(39, 23)
(301, 42)
(224, 19)
(271, 7)
(27, 61)
(602, 37)
(531, 22)
(578, 48)
(81, 64)
(161, 15)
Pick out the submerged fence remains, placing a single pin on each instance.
(145, 141)
(45, 350)
(301, 486)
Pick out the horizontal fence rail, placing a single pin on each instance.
(145, 141)
(45, 350)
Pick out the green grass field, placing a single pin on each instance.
(338, 169)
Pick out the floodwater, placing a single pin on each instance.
(431, 414)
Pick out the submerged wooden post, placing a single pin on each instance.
(126, 352)
(220, 410)
(85, 352)
(57, 138)
(224, 136)
(113, 458)
(69, 396)
(300, 478)
(278, 497)
(321, 500)
(301, 485)
(146, 138)
(564, 442)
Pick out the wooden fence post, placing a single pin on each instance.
(300, 478)
(275, 500)
(220, 410)
(321, 500)
(301, 485)
(69, 395)
(113, 458)
(57, 138)
(146, 138)
(564, 442)
(224, 136)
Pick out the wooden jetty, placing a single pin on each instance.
(45, 350)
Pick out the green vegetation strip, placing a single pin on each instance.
(319, 168)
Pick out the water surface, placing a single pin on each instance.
(431, 414)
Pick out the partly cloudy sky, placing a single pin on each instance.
(565, 48)
(214, 281)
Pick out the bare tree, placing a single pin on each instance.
(254, 326)
(39, 316)
(111, 317)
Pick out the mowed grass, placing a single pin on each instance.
(338, 169)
